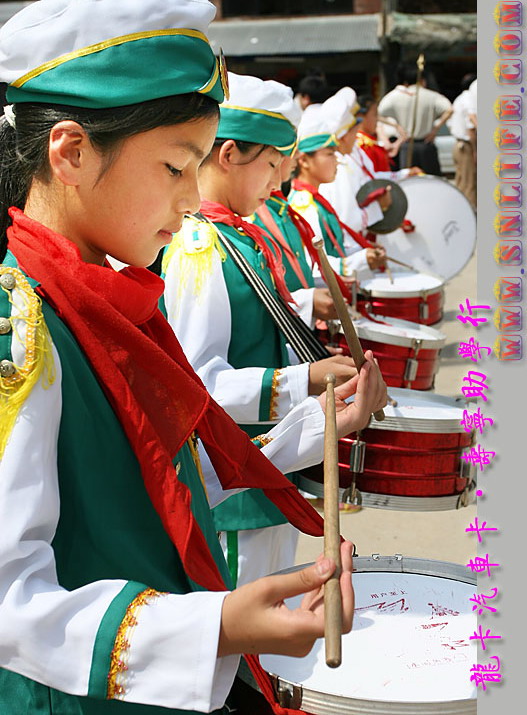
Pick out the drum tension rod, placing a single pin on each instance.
(357, 456)
(412, 364)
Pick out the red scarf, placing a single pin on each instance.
(218, 213)
(307, 235)
(266, 217)
(298, 185)
(375, 151)
(115, 319)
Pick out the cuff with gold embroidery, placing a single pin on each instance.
(113, 641)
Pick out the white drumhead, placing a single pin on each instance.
(392, 331)
(418, 411)
(401, 284)
(409, 643)
(445, 227)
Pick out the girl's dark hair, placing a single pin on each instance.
(244, 148)
(24, 150)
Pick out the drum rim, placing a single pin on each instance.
(415, 293)
(388, 564)
(400, 503)
(417, 423)
(427, 343)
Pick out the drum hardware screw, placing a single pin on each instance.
(289, 695)
(376, 557)
(352, 495)
(398, 557)
(463, 499)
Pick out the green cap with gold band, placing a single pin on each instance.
(316, 141)
(104, 54)
(262, 112)
(323, 124)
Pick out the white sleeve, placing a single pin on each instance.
(304, 304)
(297, 442)
(201, 320)
(49, 634)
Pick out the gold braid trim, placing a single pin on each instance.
(193, 446)
(263, 439)
(121, 647)
(273, 412)
(38, 359)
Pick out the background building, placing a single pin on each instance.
(356, 42)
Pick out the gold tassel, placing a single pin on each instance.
(38, 360)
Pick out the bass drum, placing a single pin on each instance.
(445, 228)
(408, 651)
(408, 353)
(411, 461)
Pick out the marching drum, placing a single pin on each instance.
(410, 461)
(408, 353)
(410, 296)
(409, 650)
(445, 227)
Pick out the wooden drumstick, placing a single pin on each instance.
(332, 594)
(352, 340)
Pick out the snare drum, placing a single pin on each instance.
(410, 296)
(409, 650)
(409, 461)
(408, 353)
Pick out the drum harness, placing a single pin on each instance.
(296, 332)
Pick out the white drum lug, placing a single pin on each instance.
(289, 695)
(410, 371)
(424, 311)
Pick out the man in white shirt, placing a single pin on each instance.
(431, 111)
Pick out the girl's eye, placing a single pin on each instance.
(273, 166)
(173, 170)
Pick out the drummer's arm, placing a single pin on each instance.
(73, 640)
(200, 316)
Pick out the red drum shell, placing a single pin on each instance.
(411, 454)
(410, 308)
(393, 359)
(408, 463)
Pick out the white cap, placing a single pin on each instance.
(254, 93)
(260, 111)
(341, 109)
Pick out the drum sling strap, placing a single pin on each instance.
(295, 331)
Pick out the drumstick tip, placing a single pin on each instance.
(330, 379)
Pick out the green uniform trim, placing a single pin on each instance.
(259, 127)
(105, 639)
(266, 395)
(119, 72)
(232, 555)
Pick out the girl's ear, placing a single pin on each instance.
(302, 161)
(228, 154)
(70, 152)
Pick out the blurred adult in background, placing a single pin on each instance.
(463, 126)
(421, 112)
(312, 89)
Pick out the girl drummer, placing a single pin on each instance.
(112, 587)
(222, 323)
(324, 128)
